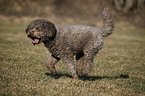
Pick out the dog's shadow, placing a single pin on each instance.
(89, 78)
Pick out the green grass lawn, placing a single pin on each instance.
(119, 68)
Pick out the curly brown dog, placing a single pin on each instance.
(71, 43)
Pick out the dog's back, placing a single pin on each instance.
(77, 36)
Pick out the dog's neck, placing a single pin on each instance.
(52, 47)
(51, 44)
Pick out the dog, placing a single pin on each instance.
(76, 45)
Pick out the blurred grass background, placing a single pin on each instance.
(119, 66)
(86, 10)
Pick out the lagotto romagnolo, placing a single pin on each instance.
(71, 43)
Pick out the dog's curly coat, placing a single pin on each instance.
(71, 42)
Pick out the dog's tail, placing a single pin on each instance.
(108, 24)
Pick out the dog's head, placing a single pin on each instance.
(40, 30)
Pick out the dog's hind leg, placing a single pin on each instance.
(69, 60)
(50, 64)
(79, 62)
(85, 63)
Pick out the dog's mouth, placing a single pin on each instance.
(36, 41)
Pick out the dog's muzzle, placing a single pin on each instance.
(35, 39)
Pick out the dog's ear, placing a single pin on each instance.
(51, 29)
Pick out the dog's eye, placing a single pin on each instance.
(37, 28)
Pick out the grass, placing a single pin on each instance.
(119, 68)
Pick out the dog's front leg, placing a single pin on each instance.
(71, 66)
(50, 64)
